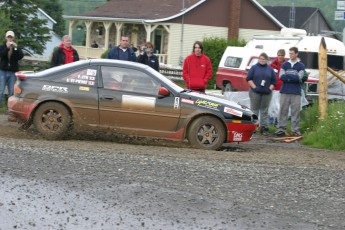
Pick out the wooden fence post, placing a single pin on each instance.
(323, 85)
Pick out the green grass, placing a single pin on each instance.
(328, 133)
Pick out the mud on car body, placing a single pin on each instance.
(128, 98)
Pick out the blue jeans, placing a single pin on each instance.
(7, 78)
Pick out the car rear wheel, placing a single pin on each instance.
(206, 133)
(52, 120)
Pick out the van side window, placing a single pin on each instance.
(233, 62)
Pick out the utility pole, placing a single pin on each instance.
(182, 34)
(292, 16)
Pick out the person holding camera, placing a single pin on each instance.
(10, 54)
(148, 58)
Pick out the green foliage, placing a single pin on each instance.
(54, 10)
(5, 24)
(105, 53)
(214, 48)
(328, 133)
(30, 31)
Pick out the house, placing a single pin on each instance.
(308, 18)
(173, 26)
(55, 39)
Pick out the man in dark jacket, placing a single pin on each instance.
(122, 52)
(291, 74)
(10, 54)
(65, 53)
(148, 58)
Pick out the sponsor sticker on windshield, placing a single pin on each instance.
(233, 111)
(91, 72)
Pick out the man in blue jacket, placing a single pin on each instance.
(291, 74)
(123, 51)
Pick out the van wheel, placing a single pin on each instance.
(227, 88)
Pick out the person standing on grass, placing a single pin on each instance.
(197, 69)
(291, 74)
(10, 54)
(262, 80)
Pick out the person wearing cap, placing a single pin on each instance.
(10, 54)
(65, 53)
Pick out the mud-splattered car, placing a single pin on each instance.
(128, 98)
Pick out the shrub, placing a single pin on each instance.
(104, 54)
(214, 48)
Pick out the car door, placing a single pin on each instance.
(81, 86)
(129, 99)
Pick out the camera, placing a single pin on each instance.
(11, 43)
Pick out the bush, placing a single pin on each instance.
(328, 133)
(214, 48)
(105, 53)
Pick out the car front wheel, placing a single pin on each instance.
(52, 120)
(206, 133)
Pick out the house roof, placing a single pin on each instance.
(302, 14)
(150, 10)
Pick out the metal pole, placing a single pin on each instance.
(182, 34)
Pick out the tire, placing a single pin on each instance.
(206, 133)
(52, 120)
(227, 88)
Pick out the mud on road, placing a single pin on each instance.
(156, 184)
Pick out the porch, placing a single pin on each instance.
(107, 34)
(91, 53)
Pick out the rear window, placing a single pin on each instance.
(233, 62)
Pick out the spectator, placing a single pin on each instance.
(276, 65)
(262, 80)
(291, 74)
(197, 69)
(148, 58)
(10, 54)
(94, 44)
(123, 51)
(65, 53)
(274, 107)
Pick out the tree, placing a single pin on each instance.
(5, 23)
(55, 10)
(31, 32)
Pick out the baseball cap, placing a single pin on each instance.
(9, 33)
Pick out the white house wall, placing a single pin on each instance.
(192, 33)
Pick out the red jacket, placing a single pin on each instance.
(277, 66)
(197, 71)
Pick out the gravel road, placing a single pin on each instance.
(107, 182)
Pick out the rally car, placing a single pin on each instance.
(128, 98)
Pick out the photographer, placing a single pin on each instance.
(148, 58)
(10, 54)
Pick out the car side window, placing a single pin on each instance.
(85, 77)
(128, 80)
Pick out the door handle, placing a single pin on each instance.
(108, 97)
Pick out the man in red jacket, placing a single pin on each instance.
(197, 69)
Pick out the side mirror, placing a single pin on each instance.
(163, 92)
